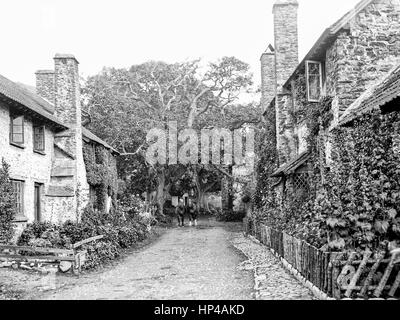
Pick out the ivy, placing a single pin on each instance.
(100, 173)
(364, 183)
(267, 161)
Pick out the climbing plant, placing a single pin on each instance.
(363, 185)
(267, 161)
(101, 173)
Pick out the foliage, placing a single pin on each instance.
(353, 203)
(125, 104)
(229, 215)
(101, 173)
(121, 229)
(267, 161)
(363, 184)
(7, 204)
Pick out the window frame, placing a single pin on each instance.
(12, 118)
(21, 212)
(41, 151)
(308, 62)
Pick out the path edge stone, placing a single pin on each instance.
(319, 294)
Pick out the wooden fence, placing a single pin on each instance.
(340, 275)
(21, 254)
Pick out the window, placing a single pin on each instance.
(314, 80)
(301, 184)
(18, 188)
(17, 130)
(38, 138)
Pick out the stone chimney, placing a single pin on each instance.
(73, 186)
(286, 40)
(67, 97)
(45, 86)
(268, 80)
(286, 61)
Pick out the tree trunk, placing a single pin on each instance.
(160, 197)
(230, 191)
(227, 192)
(201, 197)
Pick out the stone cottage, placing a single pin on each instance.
(383, 96)
(43, 140)
(349, 57)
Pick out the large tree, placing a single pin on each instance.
(125, 104)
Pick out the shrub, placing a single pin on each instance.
(120, 230)
(99, 253)
(230, 216)
(7, 207)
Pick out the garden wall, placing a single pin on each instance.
(363, 275)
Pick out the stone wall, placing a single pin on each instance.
(286, 40)
(70, 193)
(361, 56)
(25, 164)
(286, 140)
(286, 61)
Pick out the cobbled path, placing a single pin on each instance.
(272, 281)
(208, 262)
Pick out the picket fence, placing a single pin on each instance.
(340, 275)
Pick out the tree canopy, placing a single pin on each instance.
(124, 104)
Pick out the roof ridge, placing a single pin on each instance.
(330, 32)
(339, 24)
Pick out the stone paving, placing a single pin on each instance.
(184, 263)
(272, 281)
(212, 262)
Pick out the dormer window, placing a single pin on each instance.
(314, 80)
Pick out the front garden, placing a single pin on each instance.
(124, 226)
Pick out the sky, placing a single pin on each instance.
(120, 33)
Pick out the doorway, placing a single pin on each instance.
(38, 202)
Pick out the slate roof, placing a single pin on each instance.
(328, 36)
(28, 101)
(383, 92)
(292, 166)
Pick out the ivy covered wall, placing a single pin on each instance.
(352, 171)
(101, 170)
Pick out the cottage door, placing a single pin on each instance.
(37, 196)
